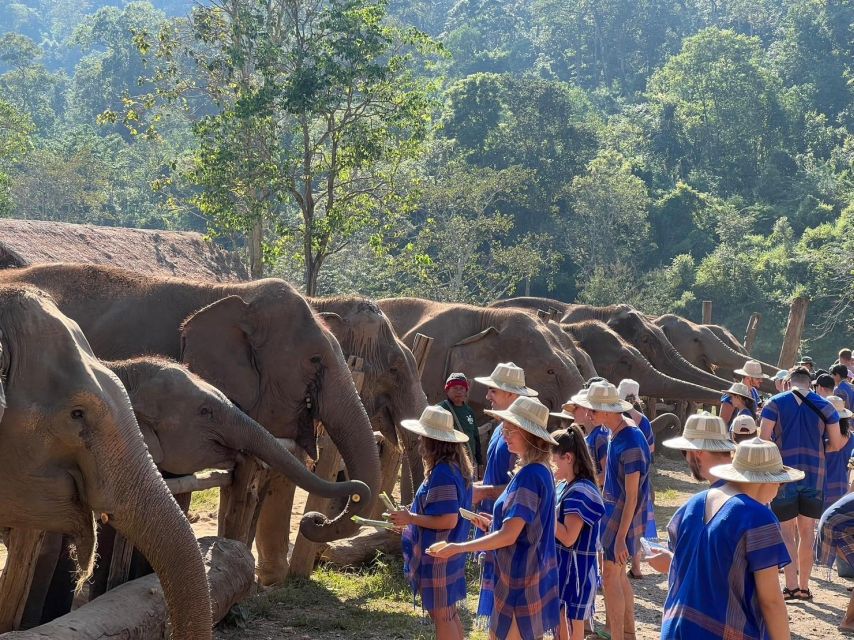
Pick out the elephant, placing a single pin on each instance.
(391, 391)
(260, 343)
(70, 446)
(701, 345)
(473, 340)
(616, 359)
(725, 336)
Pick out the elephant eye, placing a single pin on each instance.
(315, 359)
(77, 414)
(551, 372)
(205, 411)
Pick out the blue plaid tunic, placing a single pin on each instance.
(628, 453)
(597, 442)
(441, 583)
(836, 532)
(845, 391)
(712, 590)
(578, 569)
(836, 478)
(526, 578)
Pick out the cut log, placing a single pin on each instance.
(421, 349)
(362, 548)
(200, 481)
(137, 609)
(24, 546)
(752, 329)
(794, 329)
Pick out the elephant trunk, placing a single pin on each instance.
(244, 434)
(659, 385)
(351, 432)
(148, 516)
(678, 366)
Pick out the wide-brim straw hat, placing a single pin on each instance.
(702, 432)
(740, 389)
(566, 412)
(529, 414)
(752, 369)
(436, 423)
(507, 377)
(757, 461)
(601, 396)
(839, 404)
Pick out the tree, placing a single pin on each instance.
(15, 131)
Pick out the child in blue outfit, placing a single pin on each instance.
(836, 462)
(579, 510)
(522, 531)
(434, 516)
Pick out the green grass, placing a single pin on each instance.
(205, 501)
(371, 602)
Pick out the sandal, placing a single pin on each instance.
(804, 594)
(790, 594)
(633, 575)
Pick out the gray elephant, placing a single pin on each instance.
(70, 447)
(260, 343)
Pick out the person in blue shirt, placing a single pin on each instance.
(843, 389)
(504, 385)
(836, 478)
(725, 550)
(804, 426)
(579, 510)
(742, 401)
(435, 516)
(625, 493)
(751, 377)
(522, 532)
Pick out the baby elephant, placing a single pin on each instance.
(190, 425)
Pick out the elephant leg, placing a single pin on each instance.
(272, 533)
(407, 492)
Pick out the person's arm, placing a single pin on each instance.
(621, 551)
(660, 561)
(767, 427)
(403, 517)
(726, 411)
(568, 532)
(771, 603)
(834, 438)
(487, 491)
(504, 537)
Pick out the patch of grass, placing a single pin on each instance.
(669, 496)
(205, 501)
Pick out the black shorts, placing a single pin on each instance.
(794, 499)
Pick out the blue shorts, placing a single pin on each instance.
(796, 498)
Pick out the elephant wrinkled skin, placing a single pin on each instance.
(70, 446)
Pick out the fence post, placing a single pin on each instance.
(707, 312)
(794, 329)
(752, 328)
(24, 546)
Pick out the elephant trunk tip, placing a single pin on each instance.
(318, 527)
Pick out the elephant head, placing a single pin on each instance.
(391, 391)
(190, 425)
(70, 446)
(616, 359)
(273, 357)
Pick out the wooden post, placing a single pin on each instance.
(24, 546)
(752, 328)
(707, 312)
(794, 329)
(421, 349)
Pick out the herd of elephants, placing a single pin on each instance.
(112, 378)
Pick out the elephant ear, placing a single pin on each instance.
(215, 345)
(335, 323)
(152, 441)
(475, 351)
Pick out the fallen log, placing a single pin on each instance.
(137, 610)
(361, 548)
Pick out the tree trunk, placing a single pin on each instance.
(794, 328)
(256, 252)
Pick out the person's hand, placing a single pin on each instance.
(484, 521)
(438, 550)
(400, 518)
(621, 552)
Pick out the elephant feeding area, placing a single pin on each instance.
(374, 602)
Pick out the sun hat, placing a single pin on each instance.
(529, 414)
(782, 374)
(752, 369)
(507, 377)
(806, 360)
(839, 404)
(436, 423)
(628, 387)
(739, 389)
(757, 461)
(702, 432)
(456, 380)
(743, 425)
(566, 412)
(602, 396)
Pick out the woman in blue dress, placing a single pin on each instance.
(434, 516)
(836, 462)
(579, 510)
(522, 532)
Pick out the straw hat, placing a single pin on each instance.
(508, 377)
(743, 425)
(529, 414)
(436, 423)
(628, 387)
(753, 369)
(602, 396)
(702, 432)
(567, 411)
(739, 389)
(839, 404)
(757, 461)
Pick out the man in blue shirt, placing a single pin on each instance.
(804, 426)
(751, 376)
(843, 388)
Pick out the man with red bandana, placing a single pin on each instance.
(457, 392)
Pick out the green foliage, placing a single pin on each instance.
(15, 131)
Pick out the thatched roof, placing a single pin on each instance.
(181, 254)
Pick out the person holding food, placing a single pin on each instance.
(522, 531)
(435, 516)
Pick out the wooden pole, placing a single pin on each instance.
(752, 328)
(24, 546)
(421, 349)
(794, 329)
(707, 312)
